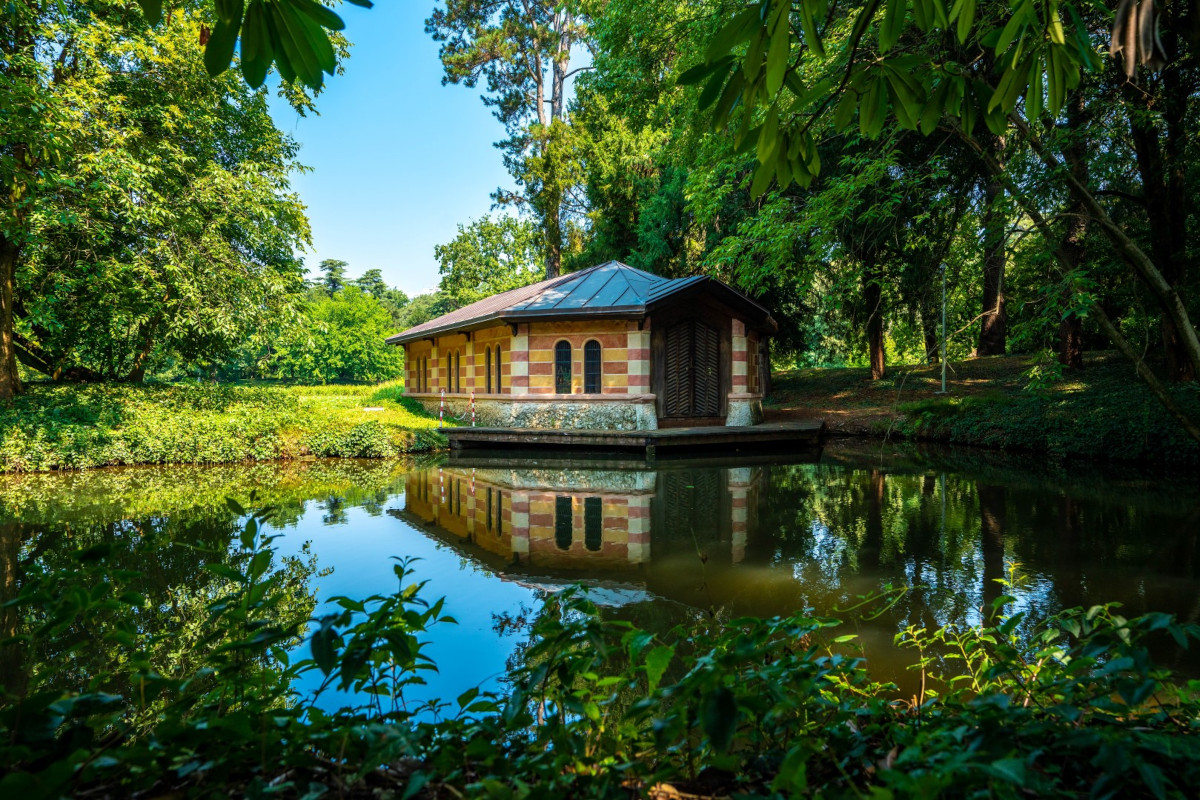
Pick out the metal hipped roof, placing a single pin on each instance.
(611, 289)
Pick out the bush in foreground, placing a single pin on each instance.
(597, 708)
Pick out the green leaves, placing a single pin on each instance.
(719, 716)
(963, 13)
(152, 10)
(229, 11)
(292, 34)
(761, 95)
(657, 661)
(892, 25)
(780, 49)
(219, 50)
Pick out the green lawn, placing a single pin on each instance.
(1101, 412)
(76, 427)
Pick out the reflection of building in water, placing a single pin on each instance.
(589, 519)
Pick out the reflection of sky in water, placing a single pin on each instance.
(359, 549)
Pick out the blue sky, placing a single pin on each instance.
(398, 160)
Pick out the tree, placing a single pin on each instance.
(372, 283)
(488, 256)
(524, 53)
(147, 212)
(340, 338)
(423, 308)
(334, 272)
(1009, 69)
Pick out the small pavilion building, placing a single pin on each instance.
(606, 348)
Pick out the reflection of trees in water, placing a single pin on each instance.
(845, 532)
(167, 536)
(156, 576)
(137, 492)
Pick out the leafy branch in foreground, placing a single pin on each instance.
(291, 34)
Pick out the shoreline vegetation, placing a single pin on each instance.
(1095, 414)
(64, 427)
(1005, 403)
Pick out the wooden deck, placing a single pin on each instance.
(775, 437)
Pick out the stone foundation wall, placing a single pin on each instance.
(570, 413)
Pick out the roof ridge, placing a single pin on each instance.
(642, 272)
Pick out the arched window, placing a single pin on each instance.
(563, 524)
(593, 523)
(499, 385)
(591, 367)
(487, 370)
(457, 373)
(562, 368)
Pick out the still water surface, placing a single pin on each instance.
(654, 544)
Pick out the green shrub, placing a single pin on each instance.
(76, 427)
(1109, 421)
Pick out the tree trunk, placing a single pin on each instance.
(1070, 342)
(929, 328)
(51, 366)
(1070, 329)
(1160, 163)
(10, 378)
(13, 670)
(993, 332)
(552, 229)
(873, 299)
(872, 550)
(992, 517)
(137, 372)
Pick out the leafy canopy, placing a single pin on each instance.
(925, 63)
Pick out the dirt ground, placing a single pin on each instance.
(852, 404)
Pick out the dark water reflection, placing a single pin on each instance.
(655, 544)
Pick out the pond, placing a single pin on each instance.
(937, 531)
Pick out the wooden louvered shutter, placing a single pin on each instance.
(706, 359)
(678, 384)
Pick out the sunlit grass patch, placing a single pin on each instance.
(75, 427)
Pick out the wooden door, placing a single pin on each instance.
(692, 367)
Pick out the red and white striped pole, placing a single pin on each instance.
(442, 409)
(472, 408)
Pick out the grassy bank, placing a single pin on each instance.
(76, 427)
(1101, 412)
